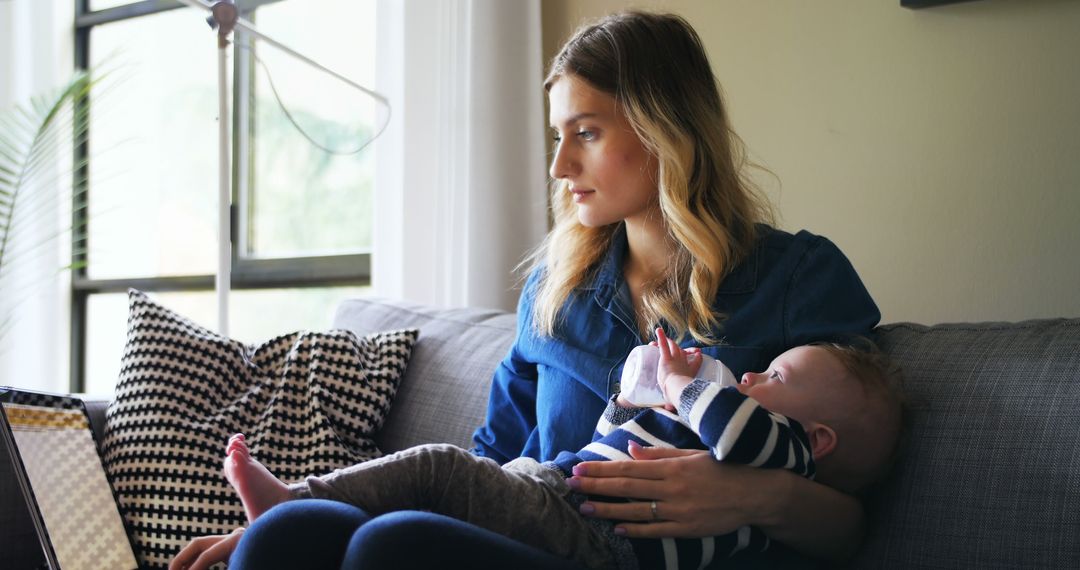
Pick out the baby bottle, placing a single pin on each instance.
(640, 386)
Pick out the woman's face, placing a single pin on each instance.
(611, 175)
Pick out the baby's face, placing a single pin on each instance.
(804, 383)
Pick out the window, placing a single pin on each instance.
(302, 215)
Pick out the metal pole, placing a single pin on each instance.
(224, 17)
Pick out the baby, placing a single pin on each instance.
(824, 411)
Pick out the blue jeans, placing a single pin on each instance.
(316, 533)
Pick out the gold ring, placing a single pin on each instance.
(652, 506)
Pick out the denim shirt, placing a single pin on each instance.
(549, 392)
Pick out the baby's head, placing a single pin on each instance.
(846, 400)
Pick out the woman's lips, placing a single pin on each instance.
(580, 194)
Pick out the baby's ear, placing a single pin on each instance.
(822, 440)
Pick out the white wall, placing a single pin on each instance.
(940, 148)
(36, 47)
(36, 55)
(7, 52)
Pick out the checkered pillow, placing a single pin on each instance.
(308, 403)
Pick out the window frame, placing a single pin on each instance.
(247, 272)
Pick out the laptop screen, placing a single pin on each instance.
(70, 506)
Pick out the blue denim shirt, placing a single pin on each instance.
(549, 392)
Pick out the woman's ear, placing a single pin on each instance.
(822, 440)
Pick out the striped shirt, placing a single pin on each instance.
(733, 427)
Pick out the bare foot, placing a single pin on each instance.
(259, 490)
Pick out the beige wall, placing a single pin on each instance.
(939, 148)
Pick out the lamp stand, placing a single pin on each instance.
(225, 18)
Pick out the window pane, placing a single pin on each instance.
(305, 201)
(153, 147)
(254, 316)
(103, 4)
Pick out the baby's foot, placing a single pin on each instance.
(259, 490)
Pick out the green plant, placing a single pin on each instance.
(35, 150)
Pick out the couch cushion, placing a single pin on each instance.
(444, 393)
(308, 403)
(990, 476)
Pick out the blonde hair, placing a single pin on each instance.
(655, 67)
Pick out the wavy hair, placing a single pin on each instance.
(655, 67)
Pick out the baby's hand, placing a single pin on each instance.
(676, 369)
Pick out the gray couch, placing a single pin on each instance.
(990, 473)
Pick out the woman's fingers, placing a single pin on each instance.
(190, 553)
(219, 552)
(205, 551)
(636, 469)
(642, 452)
(632, 511)
(607, 469)
(629, 487)
(631, 479)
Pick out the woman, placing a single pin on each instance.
(655, 224)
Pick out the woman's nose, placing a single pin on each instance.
(562, 163)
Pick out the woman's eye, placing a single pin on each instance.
(587, 135)
(774, 375)
(556, 138)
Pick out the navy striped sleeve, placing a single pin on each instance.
(736, 428)
(614, 416)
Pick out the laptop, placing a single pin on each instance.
(53, 488)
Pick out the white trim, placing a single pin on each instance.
(37, 56)
(605, 450)
(461, 183)
(635, 429)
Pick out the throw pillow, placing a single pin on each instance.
(307, 402)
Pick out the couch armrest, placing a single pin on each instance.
(95, 408)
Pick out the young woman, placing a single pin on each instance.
(656, 223)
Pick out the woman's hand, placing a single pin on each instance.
(695, 494)
(698, 496)
(205, 551)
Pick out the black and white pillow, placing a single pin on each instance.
(307, 402)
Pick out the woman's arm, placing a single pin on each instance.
(511, 411)
(797, 519)
(698, 496)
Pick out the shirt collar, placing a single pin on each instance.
(609, 275)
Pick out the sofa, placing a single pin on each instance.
(989, 472)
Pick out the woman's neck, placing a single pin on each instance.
(648, 251)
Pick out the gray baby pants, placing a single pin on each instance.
(522, 500)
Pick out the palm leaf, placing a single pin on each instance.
(35, 160)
